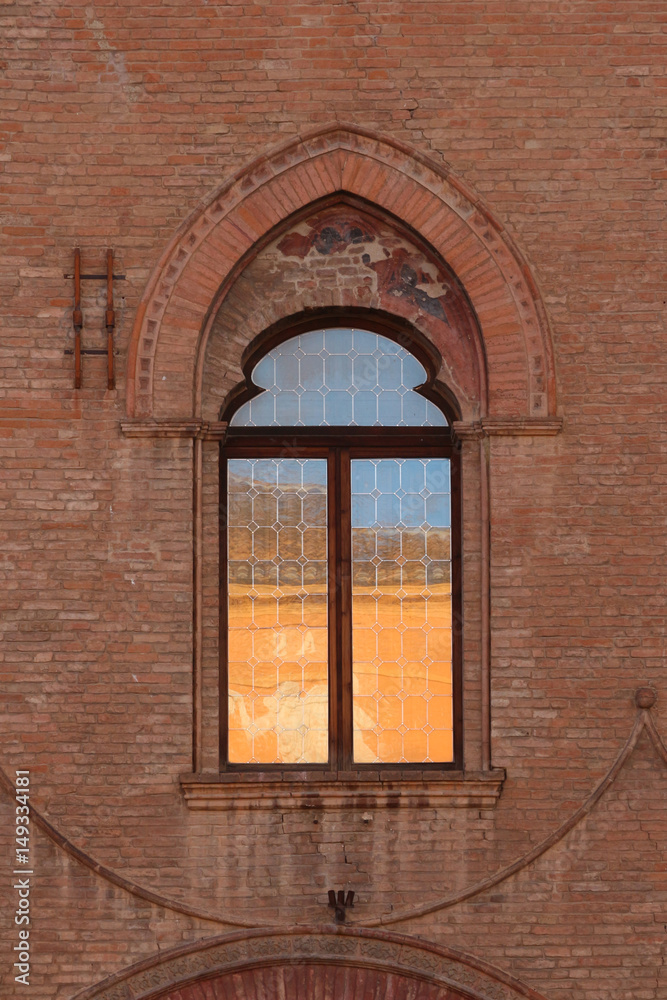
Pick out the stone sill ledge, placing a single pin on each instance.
(358, 790)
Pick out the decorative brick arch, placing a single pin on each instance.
(423, 194)
(346, 259)
(321, 963)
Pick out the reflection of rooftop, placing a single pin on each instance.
(292, 606)
(238, 483)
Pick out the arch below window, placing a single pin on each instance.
(323, 963)
(318, 981)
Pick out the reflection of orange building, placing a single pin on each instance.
(279, 571)
(278, 677)
(403, 675)
(402, 679)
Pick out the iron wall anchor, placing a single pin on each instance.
(340, 903)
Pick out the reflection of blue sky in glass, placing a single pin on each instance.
(411, 493)
(339, 378)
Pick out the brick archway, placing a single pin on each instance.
(343, 258)
(424, 195)
(321, 963)
(315, 981)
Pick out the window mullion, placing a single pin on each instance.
(344, 621)
(333, 544)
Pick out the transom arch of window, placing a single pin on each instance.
(341, 560)
(339, 377)
(347, 353)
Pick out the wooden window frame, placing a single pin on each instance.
(339, 445)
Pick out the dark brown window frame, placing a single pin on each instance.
(339, 445)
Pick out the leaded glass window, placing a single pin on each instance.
(339, 378)
(401, 610)
(340, 538)
(277, 630)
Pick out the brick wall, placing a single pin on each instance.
(119, 121)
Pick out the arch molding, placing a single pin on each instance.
(322, 963)
(337, 159)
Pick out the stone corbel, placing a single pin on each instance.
(167, 427)
(507, 427)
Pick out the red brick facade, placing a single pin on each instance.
(511, 156)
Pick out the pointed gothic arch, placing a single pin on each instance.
(430, 256)
(338, 161)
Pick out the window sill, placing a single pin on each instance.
(355, 790)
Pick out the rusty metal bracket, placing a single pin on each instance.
(340, 903)
(109, 317)
(110, 320)
(77, 318)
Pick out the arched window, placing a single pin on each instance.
(340, 544)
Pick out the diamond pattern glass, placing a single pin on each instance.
(339, 377)
(401, 611)
(277, 608)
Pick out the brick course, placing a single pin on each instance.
(124, 126)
